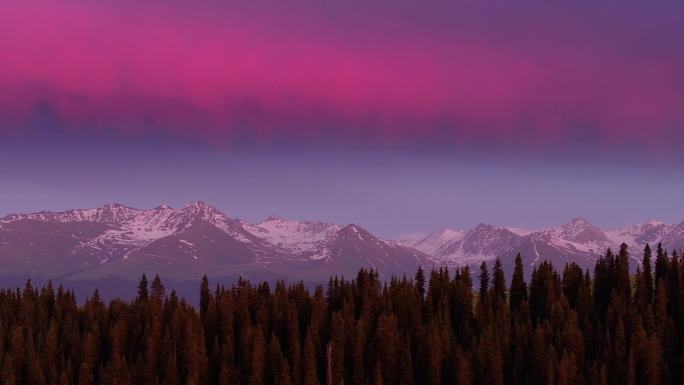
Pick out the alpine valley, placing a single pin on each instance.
(119, 242)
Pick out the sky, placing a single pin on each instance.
(398, 115)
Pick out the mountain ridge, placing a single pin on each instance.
(577, 240)
(118, 240)
(195, 239)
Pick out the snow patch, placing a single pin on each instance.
(295, 237)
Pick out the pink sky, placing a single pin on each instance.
(213, 72)
(399, 115)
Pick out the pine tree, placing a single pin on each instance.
(205, 297)
(158, 290)
(484, 281)
(661, 265)
(646, 270)
(518, 291)
(143, 288)
(420, 281)
(623, 285)
(499, 281)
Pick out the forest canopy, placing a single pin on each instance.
(568, 326)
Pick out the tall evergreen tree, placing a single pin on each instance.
(205, 297)
(158, 290)
(484, 281)
(499, 281)
(420, 281)
(647, 272)
(143, 292)
(518, 291)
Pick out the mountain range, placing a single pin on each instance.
(183, 244)
(576, 241)
(120, 241)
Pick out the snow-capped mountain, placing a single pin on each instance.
(650, 231)
(477, 244)
(575, 241)
(674, 238)
(431, 243)
(579, 230)
(116, 240)
(119, 241)
(300, 240)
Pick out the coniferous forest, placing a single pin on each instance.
(563, 326)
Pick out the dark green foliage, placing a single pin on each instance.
(143, 290)
(561, 329)
(518, 292)
(420, 281)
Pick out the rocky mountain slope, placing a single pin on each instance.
(576, 241)
(120, 241)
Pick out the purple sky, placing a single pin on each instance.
(398, 115)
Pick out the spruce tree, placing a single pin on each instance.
(518, 291)
(499, 281)
(158, 290)
(623, 285)
(205, 297)
(420, 281)
(484, 281)
(647, 272)
(143, 288)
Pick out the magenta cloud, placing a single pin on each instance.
(216, 72)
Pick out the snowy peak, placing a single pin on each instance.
(352, 236)
(447, 233)
(201, 210)
(353, 231)
(577, 240)
(651, 231)
(456, 247)
(487, 239)
(353, 245)
(116, 239)
(581, 231)
(107, 214)
(484, 234)
(293, 237)
(675, 238)
(436, 239)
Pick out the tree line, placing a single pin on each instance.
(604, 327)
